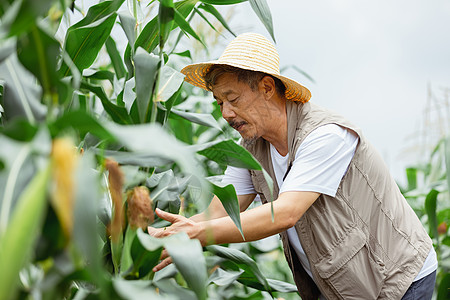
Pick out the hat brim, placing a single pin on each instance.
(195, 75)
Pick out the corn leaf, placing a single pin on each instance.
(85, 39)
(227, 195)
(222, 2)
(16, 243)
(116, 60)
(262, 10)
(38, 52)
(146, 66)
(430, 208)
(212, 10)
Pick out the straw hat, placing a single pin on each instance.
(250, 51)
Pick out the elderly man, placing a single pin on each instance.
(346, 229)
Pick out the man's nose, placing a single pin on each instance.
(227, 111)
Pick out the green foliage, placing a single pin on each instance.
(427, 192)
(66, 222)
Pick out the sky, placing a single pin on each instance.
(372, 61)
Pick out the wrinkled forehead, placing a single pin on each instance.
(227, 84)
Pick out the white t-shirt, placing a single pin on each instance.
(320, 163)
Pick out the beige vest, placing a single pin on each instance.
(366, 242)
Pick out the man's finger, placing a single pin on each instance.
(172, 218)
(164, 254)
(155, 232)
(162, 264)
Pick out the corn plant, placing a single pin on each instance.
(93, 138)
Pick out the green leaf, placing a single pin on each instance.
(146, 66)
(443, 215)
(135, 289)
(186, 27)
(85, 39)
(128, 24)
(443, 292)
(198, 118)
(185, 7)
(82, 122)
(166, 186)
(143, 260)
(227, 195)
(241, 259)
(186, 53)
(129, 96)
(38, 52)
(99, 75)
(262, 10)
(170, 287)
(116, 253)
(165, 19)
(411, 175)
(187, 255)
(116, 60)
(85, 237)
(170, 82)
(148, 38)
(430, 208)
(117, 113)
(182, 129)
(224, 278)
(135, 9)
(447, 161)
(127, 261)
(19, 129)
(222, 2)
(229, 153)
(205, 19)
(21, 96)
(16, 243)
(152, 139)
(29, 11)
(212, 10)
(17, 169)
(136, 159)
(281, 286)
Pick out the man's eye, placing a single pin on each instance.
(233, 100)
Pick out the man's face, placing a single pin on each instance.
(241, 107)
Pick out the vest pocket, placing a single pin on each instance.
(351, 270)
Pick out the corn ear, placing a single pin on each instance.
(64, 157)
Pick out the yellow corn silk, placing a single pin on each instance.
(64, 162)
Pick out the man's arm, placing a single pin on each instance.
(216, 210)
(256, 223)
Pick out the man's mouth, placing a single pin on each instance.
(238, 125)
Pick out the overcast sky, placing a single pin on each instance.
(371, 60)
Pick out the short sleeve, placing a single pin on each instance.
(321, 160)
(240, 179)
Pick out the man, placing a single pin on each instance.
(347, 231)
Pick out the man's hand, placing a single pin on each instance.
(193, 229)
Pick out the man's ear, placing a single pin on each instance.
(267, 87)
